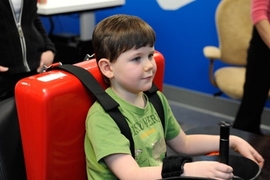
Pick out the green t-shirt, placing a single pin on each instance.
(103, 137)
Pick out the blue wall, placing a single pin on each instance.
(181, 36)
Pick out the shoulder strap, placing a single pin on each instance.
(108, 103)
(155, 100)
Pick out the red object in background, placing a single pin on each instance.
(42, 1)
(213, 153)
(52, 108)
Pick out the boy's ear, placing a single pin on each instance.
(105, 67)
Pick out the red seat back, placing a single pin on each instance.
(52, 109)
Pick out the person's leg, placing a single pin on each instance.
(8, 82)
(256, 87)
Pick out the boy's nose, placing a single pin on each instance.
(148, 65)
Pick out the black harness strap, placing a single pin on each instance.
(155, 100)
(109, 104)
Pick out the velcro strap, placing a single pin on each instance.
(173, 166)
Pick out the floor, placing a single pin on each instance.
(191, 117)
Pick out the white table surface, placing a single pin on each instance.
(85, 7)
(68, 6)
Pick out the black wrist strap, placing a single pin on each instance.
(173, 165)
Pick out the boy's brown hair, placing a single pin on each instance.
(119, 33)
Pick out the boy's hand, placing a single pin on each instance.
(208, 169)
(245, 149)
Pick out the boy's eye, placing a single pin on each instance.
(151, 56)
(136, 59)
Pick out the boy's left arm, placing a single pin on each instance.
(245, 149)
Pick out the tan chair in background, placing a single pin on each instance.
(234, 28)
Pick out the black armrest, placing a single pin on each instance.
(11, 161)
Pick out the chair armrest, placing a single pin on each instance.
(211, 52)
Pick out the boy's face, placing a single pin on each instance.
(134, 70)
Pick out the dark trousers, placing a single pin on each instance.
(256, 86)
(8, 82)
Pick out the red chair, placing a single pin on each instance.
(52, 109)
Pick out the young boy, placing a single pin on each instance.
(124, 48)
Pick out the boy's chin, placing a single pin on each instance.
(147, 87)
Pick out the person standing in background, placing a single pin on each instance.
(24, 44)
(257, 81)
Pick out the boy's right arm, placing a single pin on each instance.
(125, 167)
(208, 169)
